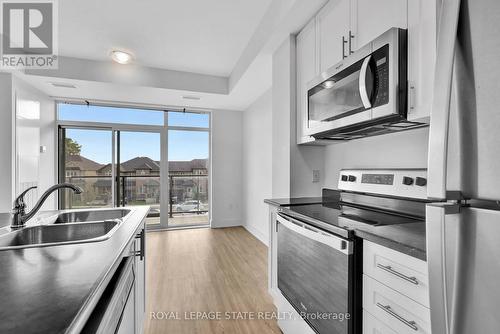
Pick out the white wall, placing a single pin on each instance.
(6, 142)
(226, 168)
(399, 150)
(13, 89)
(44, 128)
(283, 102)
(257, 166)
(292, 165)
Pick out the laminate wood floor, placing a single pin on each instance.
(207, 271)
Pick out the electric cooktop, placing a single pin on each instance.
(343, 218)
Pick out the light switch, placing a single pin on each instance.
(315, 175)
(43, 149)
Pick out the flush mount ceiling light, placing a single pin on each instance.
(121, 57)
(190, 97)
(62, 85)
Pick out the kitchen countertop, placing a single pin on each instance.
(409, 238)
(293, 201)
(54, 289)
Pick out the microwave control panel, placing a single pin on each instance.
(381, 62)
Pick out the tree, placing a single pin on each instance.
(72, 147)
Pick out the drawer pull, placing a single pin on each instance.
(389, 269)
(388, 309)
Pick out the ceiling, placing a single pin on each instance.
(198, 36)
(217, 50)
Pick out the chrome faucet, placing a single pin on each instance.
(20, 217)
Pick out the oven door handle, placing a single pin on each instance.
(363, 93)
(308, 231)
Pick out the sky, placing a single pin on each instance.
(97, 144)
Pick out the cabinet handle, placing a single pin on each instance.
(351, 36)
(412, 96)
(388, 309)
(389, 269)
(344, 42)
(142, 252)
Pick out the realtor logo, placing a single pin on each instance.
(29, 38)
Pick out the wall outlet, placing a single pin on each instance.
(315, 175)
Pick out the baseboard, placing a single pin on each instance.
(225, 223)
(258, 234)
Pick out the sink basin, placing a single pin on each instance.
(90, 216)
(50, 235)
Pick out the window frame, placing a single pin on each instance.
(60, 125)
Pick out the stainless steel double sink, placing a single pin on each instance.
(67, 228)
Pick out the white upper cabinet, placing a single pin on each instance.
(372, 18)
(333, 31)
(307, 69)
(422, 40)
(343, 26)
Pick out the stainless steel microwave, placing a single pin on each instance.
(363, 95)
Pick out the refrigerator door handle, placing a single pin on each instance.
(440, 113)
(438, 217)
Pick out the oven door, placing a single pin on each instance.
(314, 274)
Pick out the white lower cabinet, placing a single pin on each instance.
(372, 325)
(401, 272)
(127, 323)
(395, 292)
(394, 309)
(140, 280)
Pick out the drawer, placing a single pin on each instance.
(372, 325)
(401, 272)
(402, 314)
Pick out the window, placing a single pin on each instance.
(119, 154)
(100, 114)
(188, 119)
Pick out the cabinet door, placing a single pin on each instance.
(422, 27)
(333, 25)
(372, 18)
(307, 68)
(140, 283)
(127, 322)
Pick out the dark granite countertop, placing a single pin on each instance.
(409, 239)
(293, 201)
(54, 289)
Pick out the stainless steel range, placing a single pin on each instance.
(319, 255)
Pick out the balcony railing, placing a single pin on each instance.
(187, 193)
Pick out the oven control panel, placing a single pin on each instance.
(408, 183)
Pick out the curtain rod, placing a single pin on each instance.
(111, 103)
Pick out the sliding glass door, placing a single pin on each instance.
(188, 169)
(85, 157)
(138, 168)
(188, 177)
(164, 164)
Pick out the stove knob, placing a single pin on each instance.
(407, 180)
(420, 181)
(343, 177)
(352, 178)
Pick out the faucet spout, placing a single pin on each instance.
(20, 217)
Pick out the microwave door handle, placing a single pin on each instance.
(362, 83)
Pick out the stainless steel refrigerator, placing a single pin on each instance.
(463, 231)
